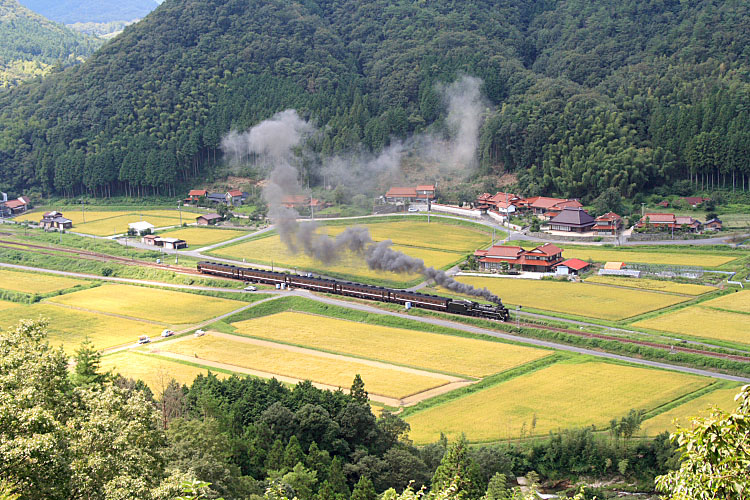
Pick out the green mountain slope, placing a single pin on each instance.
(30, 44)
(585, 94)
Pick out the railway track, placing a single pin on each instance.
(580, 333)
(86, 254)
(89, 255)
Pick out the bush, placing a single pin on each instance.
(107, 271)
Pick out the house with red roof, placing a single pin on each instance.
(573, 266)
(423, 193)
(17, 206)
(300, 201)
(669, 221)
(235, 197)
(607, 224)
(546, 207)
(542, 258)
(195, 194)
(426, 192)
(694, 201)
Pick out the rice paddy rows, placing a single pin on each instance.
(736, 302)
(652, 285)
(68, 327)
(393, 383)
(165, 306)
(563, 395)
(201, 236)
(35, 283)
(270, 250)
(429, 351)
(723, 398)
(5, 305)
(575, 298)
(676, 258)
(119, 225)
(154, 371)
(88, 216)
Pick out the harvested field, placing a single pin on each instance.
(199, 236)
(429, 351)
(393, 382)
(676, 258)
(119, 225)
(35, 283)
(270, 250)
(701, 321)
(581, 299)
(154, 371)
(438, 236)
(723, 398)
(165, 306)
(68, 327)
(563, 395)
(652, 285)
(5, 305)
(735, 302)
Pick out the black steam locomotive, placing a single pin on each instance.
(360, 290)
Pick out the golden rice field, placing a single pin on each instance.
(165, 306)
(154, 371)
(75, 214)
(271, 250)
(5, 305)
(201, 236)
(35, 283)
(69, 327)
(723, 398)
(652, 285)
(700, 321)
(421, 234)
(119, 225)
(428, 351)
(737, 302)
(563, 395)
(667, 258)
(575, 298)
(305, 366)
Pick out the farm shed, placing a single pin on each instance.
(208, 219)
(141, 228)
(630, 273)
(171, 243)
(572, 266)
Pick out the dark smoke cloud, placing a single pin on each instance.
(277, 138)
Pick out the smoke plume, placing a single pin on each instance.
(276, 140)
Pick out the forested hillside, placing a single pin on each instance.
(91, 11)
(583, 95)
(31, 45)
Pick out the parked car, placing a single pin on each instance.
(144, 339)
(167, 333)
(200, 333)
(250, 288)
(413, 209)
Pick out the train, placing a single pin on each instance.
(360, 290)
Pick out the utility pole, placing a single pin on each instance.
(179, 207)
(83, 213)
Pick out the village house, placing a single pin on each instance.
(694, 201)
(504, 203)
(542, 258)
(572, 219)
(572, 266)
(55, 220)
(196, 194)
(548, 207)
(608, 224)
(216, 197)
(18, 206)
(208, 219)
(235, 197)
(401, 195)
(687, 223)
(426, 192)
(669, 222)
(165, 242)
(714, 224)
(301, 201)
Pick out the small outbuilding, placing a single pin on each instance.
(141, 228)
(208, 219)
(572, 266)
(171, 243)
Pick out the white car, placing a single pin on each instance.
(144, 339)
(250, 288)
(413, 209)
(167, 333)
(200, 333)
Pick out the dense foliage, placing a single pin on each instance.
(583, 95)
(30, 44)
(95, 11)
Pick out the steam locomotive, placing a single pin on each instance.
(359, 290)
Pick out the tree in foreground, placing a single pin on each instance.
(715, 456)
